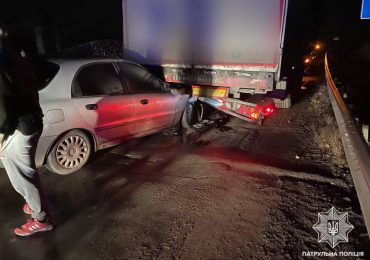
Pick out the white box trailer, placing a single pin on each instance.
(224, 48)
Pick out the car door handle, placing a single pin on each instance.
(144, 101)
(92, 106)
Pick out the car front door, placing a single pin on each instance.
(155, 107)
(101, 100)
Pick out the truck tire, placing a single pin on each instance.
(193, 113)
(70, 153)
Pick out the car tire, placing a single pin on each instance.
(192, 114)
(70, 153)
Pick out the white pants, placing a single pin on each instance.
(18, 156)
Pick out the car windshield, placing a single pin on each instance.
(45, 72)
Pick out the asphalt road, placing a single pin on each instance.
(228, 190)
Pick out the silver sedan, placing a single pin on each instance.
(94, 104)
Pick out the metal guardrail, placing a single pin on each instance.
(355, 147)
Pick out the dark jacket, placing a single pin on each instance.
(3, 114)
(7, 118)
(20, 100)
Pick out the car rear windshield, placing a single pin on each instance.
(45, 72)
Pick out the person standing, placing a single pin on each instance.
(21, 126)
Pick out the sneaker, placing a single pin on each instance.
(27, 209)
(33, 226)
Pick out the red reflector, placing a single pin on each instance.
(268, 109)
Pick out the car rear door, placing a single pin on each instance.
(155, 107)
(100, 98)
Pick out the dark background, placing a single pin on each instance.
(63, 24)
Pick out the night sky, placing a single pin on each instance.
(342, 19)
(70, 21)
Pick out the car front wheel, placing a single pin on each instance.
(192, 114)
(70, 153)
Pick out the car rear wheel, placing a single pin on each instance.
(69, 153)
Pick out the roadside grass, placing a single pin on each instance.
(325, 129)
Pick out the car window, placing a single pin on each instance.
(139, 80)
(97, 80)
(45, 72)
